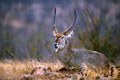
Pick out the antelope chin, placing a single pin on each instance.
(56, 50)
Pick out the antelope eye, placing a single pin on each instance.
(62, 37)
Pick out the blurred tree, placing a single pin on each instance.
(6, 45)
(91, 38)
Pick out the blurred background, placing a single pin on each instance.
(26, 27)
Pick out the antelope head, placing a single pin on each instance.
(61, 37)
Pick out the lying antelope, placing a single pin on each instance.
(78, 58)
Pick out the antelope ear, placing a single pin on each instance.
(70, 34)
(55, 31)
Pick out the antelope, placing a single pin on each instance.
(78, 58)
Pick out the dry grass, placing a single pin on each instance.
(14, 69)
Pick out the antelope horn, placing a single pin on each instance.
(71, 26)
(54, 23)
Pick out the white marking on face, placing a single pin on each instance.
(61, 43)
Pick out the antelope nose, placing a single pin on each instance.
(55, 45)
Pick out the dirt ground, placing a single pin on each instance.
(34, 70)
(40, 73)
